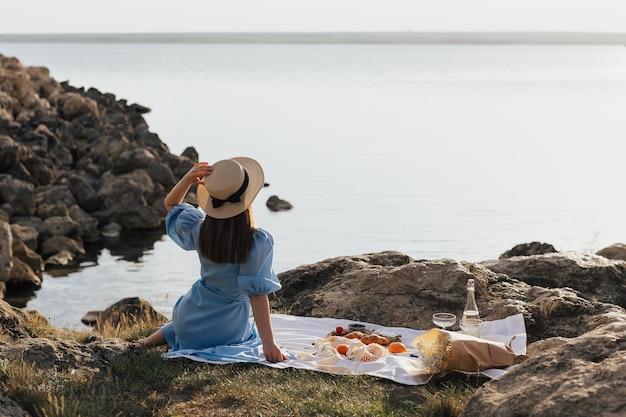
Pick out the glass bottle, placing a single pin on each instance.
(470, 313)
(470, 324)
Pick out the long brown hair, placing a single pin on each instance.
(227, 240)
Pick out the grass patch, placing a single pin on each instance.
(147, 385)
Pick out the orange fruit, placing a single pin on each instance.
(396, 347)
(343, 349)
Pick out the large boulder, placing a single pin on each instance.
(615, 251)
(578, 377)
(595, 277)
(125, 312)
(65, 355)
(392, 289)
(13, 321)
(387, 288)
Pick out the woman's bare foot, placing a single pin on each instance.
(138, 344)
(153, 340)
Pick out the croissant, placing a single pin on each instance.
(355, 335)
(374, 338)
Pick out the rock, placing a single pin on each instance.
(151, 140)
(6, 251)
(162, 174)
(22, 278)
(41, 171)
(18, 195)
(59, 243)
(276, 204)
(62, 158)
(58, 226)
(27, 255)
(75, 105)
(133, 159)
(7, 105)
(26, 234)
(82, 190)
(179, 164)
(392, 289)
(562, 377)
(111, 230)
(87, 226)
(12, 152)
(528, 249)
(11, 409)
(128, 201)
(13, 321)
(355, 287)
(191, 153)
(60, 259)
(65, 355)
(53, 200)
(45, 132)
(125, 312)
(616, 251)
(595, 277)
(91, 318)
(42, 82)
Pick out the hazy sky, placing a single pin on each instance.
(60, 16)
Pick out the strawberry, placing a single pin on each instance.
(339, 330)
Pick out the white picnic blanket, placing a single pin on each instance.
(298, 336)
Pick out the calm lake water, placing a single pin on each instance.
(455, 151)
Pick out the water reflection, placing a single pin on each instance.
(130, 246)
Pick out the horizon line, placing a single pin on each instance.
(382, 37)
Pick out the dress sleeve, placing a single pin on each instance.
(256, 275)
(180, 223)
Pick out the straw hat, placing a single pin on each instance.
(231, 187)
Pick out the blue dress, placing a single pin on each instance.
(213, 320)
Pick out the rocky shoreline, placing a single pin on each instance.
(576, 335)
(80, 167)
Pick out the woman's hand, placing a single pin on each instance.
(197, 173)
(194, 176)
(273, 353)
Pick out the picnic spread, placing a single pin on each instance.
(403, 355)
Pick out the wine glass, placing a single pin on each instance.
(444, 320)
